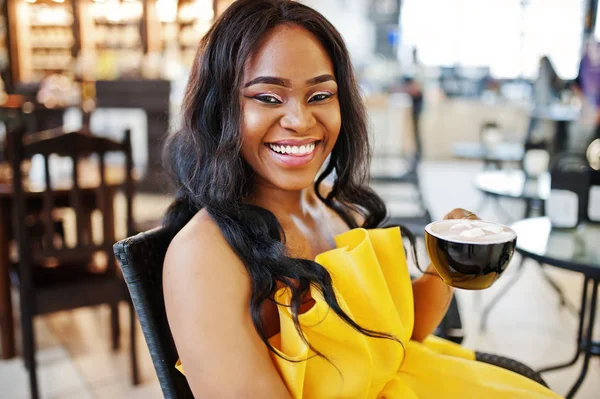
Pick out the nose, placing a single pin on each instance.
(298, 118)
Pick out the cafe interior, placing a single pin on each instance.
(488, 105)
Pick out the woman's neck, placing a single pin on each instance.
(285, 205)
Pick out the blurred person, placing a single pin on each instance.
(277, 285)
(414, 82)
(548, 85)
(547, 89)
(587, 83)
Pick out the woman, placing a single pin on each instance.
(260, 302)
(546, 91)
(548, 85)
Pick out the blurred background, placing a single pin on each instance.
(488, 105)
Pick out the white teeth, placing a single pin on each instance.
(295, 150)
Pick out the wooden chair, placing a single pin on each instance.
(51, 275)
(141, 258)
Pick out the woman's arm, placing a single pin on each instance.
(431, 295)
(207, 292)
(432, 298)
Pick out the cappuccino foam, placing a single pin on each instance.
(470, 231)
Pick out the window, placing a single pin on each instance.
(508, 36)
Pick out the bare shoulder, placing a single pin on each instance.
(200, 255)
(207, 291)
(198, 229)
(200, 236)
(197, 248)
(198, 260)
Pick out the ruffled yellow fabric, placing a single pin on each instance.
(373, 286)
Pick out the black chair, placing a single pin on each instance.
(394, 174)
(51, 274)
(451, 327)
(490, 134)
(141, 258)
(399, 182)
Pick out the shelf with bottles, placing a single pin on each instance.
(50, 25)
(52, 59)
(58, 46)
(169, 33)
(101, 47)
(49, 69)
(44, 37)
(117, 25)
(118, 36)
(49, 14)
(183, 24)
(190, 35)
(111, 64)
(116, 12)
(51, 37)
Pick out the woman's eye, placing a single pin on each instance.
(267, 99)
(320, 97)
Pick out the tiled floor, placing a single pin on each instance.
(75, 359)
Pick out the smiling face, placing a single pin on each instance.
(290, 109)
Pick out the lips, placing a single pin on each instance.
(291, 142)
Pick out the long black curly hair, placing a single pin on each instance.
(204, 159)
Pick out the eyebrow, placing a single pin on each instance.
(286, 82)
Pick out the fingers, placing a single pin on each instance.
(470, 215)
(460, 213)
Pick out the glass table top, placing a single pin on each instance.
(575, 249)
(503, 152)
(513, 184)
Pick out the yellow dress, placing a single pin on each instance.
(373, 286)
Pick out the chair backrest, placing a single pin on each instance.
(570, 172)
(491, 134)
(81, 192)
(141, 258)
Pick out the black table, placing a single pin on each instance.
(561, 115)
(556, 113)
(514, 184)
(577, 250)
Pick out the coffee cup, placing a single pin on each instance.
(469, 254)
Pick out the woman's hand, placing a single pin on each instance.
(432, 296)
(459, 213)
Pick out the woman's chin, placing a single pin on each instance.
(294, 183)
(295, 187)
